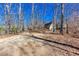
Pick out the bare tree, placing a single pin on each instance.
(62, 17)
(67, 26)
(44, 14)
(40, 21)
(21, 21)
(7, 18)
(32, 17)
(73, 23)
(54, 20)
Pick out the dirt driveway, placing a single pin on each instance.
(24, 45)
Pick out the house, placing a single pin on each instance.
(51, 27)
(47, 25)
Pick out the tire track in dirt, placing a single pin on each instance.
(66, 47)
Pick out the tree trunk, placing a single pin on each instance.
(20, 21)
(7, 18)
(54, 20)
(67, 26)
(32, 17)
(62, 17)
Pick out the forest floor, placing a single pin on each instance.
(38, 44)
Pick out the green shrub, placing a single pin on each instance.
(1, 29)
(14, 29)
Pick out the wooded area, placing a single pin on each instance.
(49, 29)
(64, 25)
